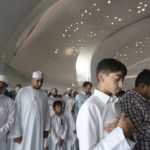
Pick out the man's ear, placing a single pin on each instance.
(101, 76)
(142, 87)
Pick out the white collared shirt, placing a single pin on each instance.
(95, 114)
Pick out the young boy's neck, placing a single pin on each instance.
(57, 114)
(102, 89)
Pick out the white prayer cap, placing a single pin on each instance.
(69, 89)
(37, 75)
(4, 79)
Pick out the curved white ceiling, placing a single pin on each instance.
(58, 39)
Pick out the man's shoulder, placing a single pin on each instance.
(130, 94)
(25, 88)
(8, 99)
(79, 95)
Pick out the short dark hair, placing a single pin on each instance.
(143, 77)
(57, 103)
(18, 85)
(111, 65)
(86, 83)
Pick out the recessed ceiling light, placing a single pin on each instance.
(120, 19)
(139, 12)
(77, 28)
(85, 11)
(81, 22)
(66, 30)
(112, 23)
(129, 10)
(140, 3)
(90, 13)
(94, 4)
(115, 17)
(63, 35)
(77, 23)
(107, 17)
(145, 5)
(109, 2)
(74, 30)
(138, 7)
(95, 34)
(69, 35)
(143, 9)
(82, 15)
(98, 9)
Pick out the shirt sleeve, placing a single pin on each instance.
(10, 119)
(16, 131)
(53, 134)
(137, 114)
(88, 132)
(47, 117)
(79, 101)
(65, 129)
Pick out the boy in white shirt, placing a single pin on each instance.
(58, 128)
(98, 126)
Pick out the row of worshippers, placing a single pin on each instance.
(71, 103)
(32, 115)
(103, 121)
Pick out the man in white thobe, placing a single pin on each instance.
(32, 122)
(68, 95)
(53, 97)
(69, 114)
(7, 114)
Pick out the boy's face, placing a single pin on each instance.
(112, 82)
(58, 109)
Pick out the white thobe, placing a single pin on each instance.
(58, 131)
(7, 119)
(71, 136)
(32, 118)
(95, 114)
